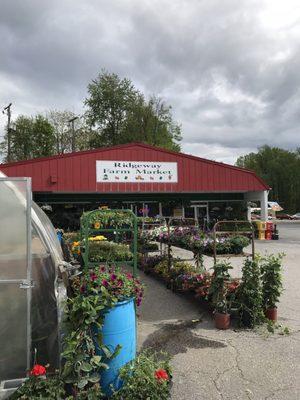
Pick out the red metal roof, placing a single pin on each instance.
(76, 172)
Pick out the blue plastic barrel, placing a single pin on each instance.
(119, 329)
(59, 236)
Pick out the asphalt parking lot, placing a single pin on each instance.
(234, 364)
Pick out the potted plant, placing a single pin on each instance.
(218, 294)
(222, 316)
(102, 328)
(249, 295)
(271, 276)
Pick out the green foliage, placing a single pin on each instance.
(63, 131)
(94, 294)
(108, 219)
(140, 380)
(218, 287)
(271, 277)
(237, 243)
(280, 169)
(120, 114)
(109, 251)
(41, 387)
(30, 138)
(249, 295)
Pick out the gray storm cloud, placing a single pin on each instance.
(231, 75)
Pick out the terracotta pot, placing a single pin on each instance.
(271, 314)
(222, 321)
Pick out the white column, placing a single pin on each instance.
(264, 206)
(160, 209)
(249, 213)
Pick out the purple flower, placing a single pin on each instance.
(105, 283)
(113, 277)
(138, 301)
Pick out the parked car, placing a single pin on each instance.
(284, 216)
(296, 216)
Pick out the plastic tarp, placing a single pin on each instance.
(46, 293)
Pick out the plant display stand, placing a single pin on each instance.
(248, 231)
(119, 226)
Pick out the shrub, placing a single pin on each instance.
(147, 377)
(249, 295)
(271, 276)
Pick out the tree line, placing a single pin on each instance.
(115, 112)
(280, 168)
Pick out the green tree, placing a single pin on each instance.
(110, 101)
(121, 114)
(30, 138)
(63, 132)
(43, 137)
(280, 168)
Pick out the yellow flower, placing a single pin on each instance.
(76, 244)
(97, 238)
(97, 225)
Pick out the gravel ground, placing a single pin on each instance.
(234, 364)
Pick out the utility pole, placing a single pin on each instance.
(71, 121)
(7, 111)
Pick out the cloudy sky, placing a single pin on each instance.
(229, 68)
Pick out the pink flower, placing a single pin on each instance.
(102, 269)
(93, 277)
(105, 283)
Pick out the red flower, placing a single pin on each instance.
(161, 375)
(38, 370)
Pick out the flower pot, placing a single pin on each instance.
(271, 314)
(119, 329)
(222, 321)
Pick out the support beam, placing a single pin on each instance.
(264, 206)
(262, 197)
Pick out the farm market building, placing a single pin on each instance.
(144, 178)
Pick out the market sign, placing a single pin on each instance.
(136, 171)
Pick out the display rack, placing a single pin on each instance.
(113, 222)
(235, 224)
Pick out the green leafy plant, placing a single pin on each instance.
(105, 219)
(94, 294)
(271, 277)
(237, 243)
(41, 387)
(147, 377)
(109, 251)
(249, 295)
(218, 288)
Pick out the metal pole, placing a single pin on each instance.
(29, 270)
(73, 133)
(8, 112)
